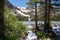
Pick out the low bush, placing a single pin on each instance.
(12, 27)
(41, 34)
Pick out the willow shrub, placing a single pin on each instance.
(12, 28)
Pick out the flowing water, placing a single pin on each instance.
(31, 35)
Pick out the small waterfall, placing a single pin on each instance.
(31, 35)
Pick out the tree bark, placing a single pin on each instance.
(1, 19)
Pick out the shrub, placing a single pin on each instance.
(12, 28)
(41, 34)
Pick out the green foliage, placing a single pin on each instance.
(41, 34)
(56, 18)
(20, 18)
(12, 28)
(40, 19)
(42, 10)
(32, 2)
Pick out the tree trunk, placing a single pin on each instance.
(1, 19)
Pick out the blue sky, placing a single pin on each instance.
(22, 3)
(19, 3)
